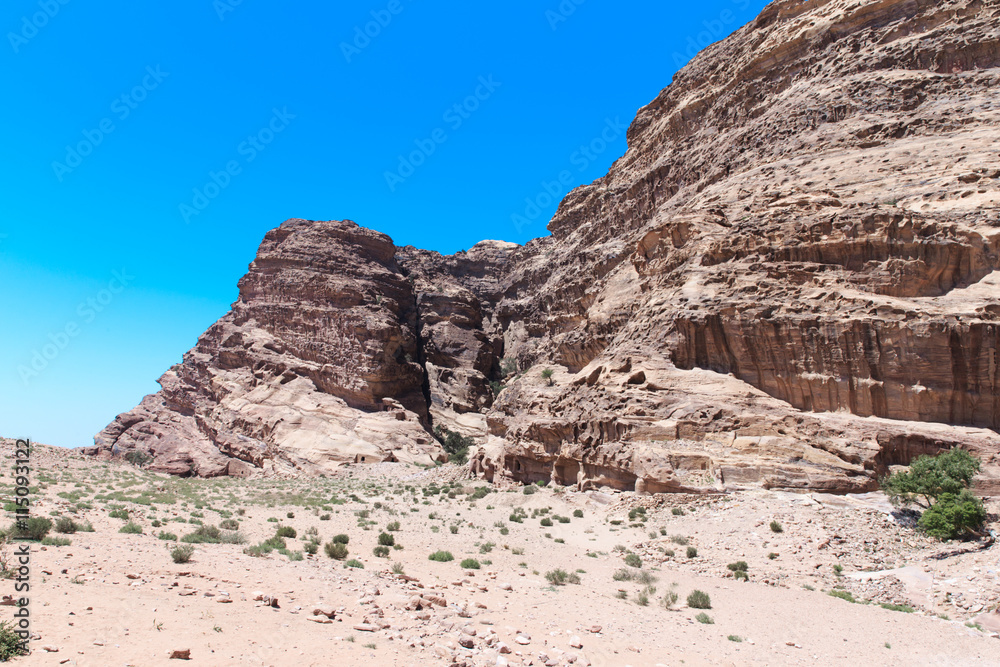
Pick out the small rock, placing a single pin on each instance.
(522, 640)
(575, 642)
(181, 654)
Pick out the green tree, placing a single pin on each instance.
(547, 375)
(940, 484)
(953, 515)
(455, 444)
(931, 476)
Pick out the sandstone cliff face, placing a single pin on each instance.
(789, 279)
(317, 363)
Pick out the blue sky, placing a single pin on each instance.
(149, 147)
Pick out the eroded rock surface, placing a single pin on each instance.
(789, 279)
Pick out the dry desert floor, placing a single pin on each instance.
(537, 575)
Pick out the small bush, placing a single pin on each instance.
(547, 522)
(167, 536)
(66, 525)
(441, 556)
(679, 540)
(738, 566)
(843, 595)
(386, 540)
(118, 514)
(56, 541)
(677, 511)
(453, 528)
(341, 539)
(557, 577)
(290, 515)
(735, 638)
(623, 575)
(311, 548)
(528, 490)
(578, 514)
(381, 552)
(336, 550)
(230, 524)
(11, 645)
(131, 528)
(692, 552)
(704, 619)
(203, 535)
(34, 528)
(776, 527)
(286, 531)
(354, 562)
(633, 560)
(699, 600)
(470, 564)
(182, 553)
(393, 527)
(906, 609)
(324, 517)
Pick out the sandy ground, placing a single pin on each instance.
(110, 598)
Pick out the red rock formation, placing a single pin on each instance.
(789, 279)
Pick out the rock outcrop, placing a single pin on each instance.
(789, 279)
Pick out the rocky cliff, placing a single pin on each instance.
(789, 279)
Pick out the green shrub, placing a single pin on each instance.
(167, 536)
(578, 514)
(776, 527)
(386, 540)
(118, 514)
(393, 527)
(906, 609)
(704, 619)
(843, 595)
(556, 577)
(355, 563)
(699, 600)
(953, 515)
(311, 548)
(341, 539)
(132, 528)
(623, 575)
(203, 535)
(738, 566)
(336, 550)
(930, 477)
(230, 524)
(11, 644)
(455, 444)
(677, 511)
(33, 528)
(528, 490)
(286, 531)
(692, 552)
(735, 638)
(324, 517)
(546, 522)
(182, 553)
(381, 552)
(55, 541)
(66, 525)
(633, 560)
(441, 556)
(138, 458)
(470, 564)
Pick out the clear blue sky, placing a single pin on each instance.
(116, 113)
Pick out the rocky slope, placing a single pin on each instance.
(789, 279)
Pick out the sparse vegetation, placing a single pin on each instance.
(182, 553)
(441, 556)
(336, 550)
(940, 484)
(455, 444)
(776, 527)
(699, 600)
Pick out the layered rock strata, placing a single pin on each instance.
(789, 279)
